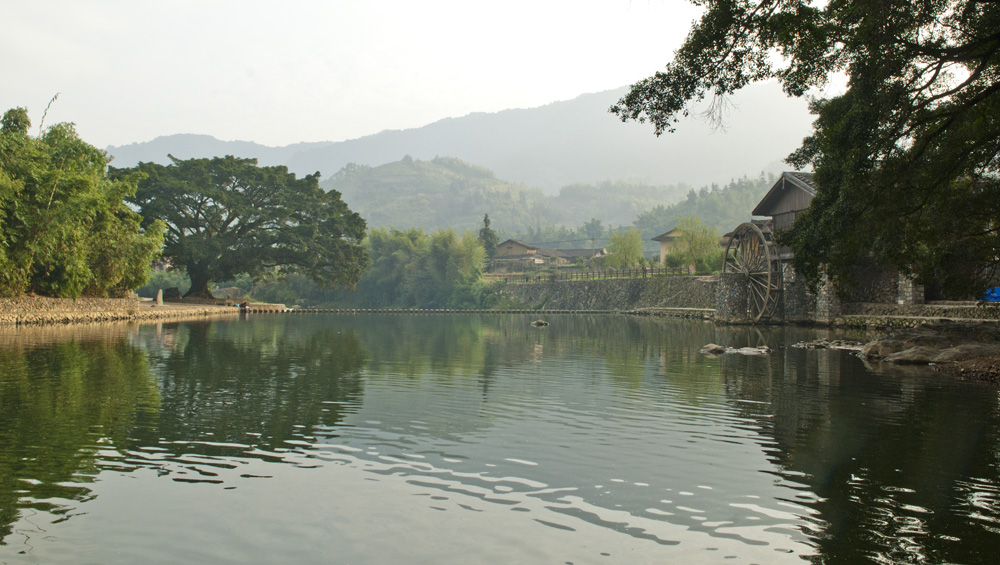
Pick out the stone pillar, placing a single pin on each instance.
(731, 299)
(909, 292)
(792, 299)
(827, 303)
(159, 297)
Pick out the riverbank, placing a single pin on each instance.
(965, 346)
(967, 350)
(40, 310)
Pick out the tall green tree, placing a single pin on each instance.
(227, 216)
(593, 229)
(907, 159)
(65, 229)
(489, 238)
(625, 249)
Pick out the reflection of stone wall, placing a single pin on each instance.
(618, 294)
(33, 335)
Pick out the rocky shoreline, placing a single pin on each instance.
(966, 350)
(971, 351)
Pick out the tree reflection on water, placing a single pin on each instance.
(897, 467)
(59, 404)
(70, 409)
(904, 464)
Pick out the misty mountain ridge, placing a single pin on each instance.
(548, 147)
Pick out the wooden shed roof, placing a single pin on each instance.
(787, 182)
(672, 234)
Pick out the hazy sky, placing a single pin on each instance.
(317, 70)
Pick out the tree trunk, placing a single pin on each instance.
(199, 284)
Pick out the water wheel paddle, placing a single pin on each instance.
(751, 255)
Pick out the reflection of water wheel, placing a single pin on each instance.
(752, 255)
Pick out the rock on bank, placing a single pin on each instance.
(971, 350)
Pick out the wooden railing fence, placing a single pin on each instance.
(592, 275)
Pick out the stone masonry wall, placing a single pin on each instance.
(731, 299)
(798, 304)
(873, 283)
(618, 294)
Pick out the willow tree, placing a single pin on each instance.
(227, 216)
(65, 229)
(906, 158)
(624, 249)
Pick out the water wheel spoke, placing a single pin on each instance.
(759, 290)
(739, 265)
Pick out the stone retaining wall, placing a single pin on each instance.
(852, 312)
(618, 294)
(698, 296)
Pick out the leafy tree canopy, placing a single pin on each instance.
(431, 270)
(226, 216)
(65, 229)
(698, 245)
(906, 159)
(625, 249)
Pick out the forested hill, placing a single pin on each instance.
(721, 207)
(448, 192)
(574, 141)
(444, 192)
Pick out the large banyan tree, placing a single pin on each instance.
(906, 158)
(227, 216)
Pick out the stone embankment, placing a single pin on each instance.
(863, 314)
(33, 310)
(671, 296)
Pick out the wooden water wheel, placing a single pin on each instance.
(752, 255)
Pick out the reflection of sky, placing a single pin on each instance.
(578, 450)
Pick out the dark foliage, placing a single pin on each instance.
(906, 159)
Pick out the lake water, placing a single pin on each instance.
(482, 439)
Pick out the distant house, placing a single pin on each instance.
(515, 247)
(573, 254)
(515, 253)
(668, 241)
